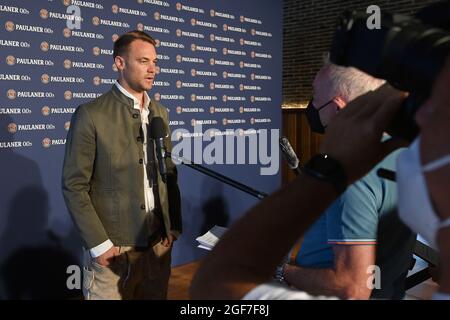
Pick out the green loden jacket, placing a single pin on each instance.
(102, 178)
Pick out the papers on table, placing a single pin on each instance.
(209, 239)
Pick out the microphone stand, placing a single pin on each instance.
(258, 194)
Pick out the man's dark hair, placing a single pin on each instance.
(122, 43)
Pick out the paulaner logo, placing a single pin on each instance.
(46, 142)
(9, 26)
(67, 64)
(45, 78)
(10, 60)
(43, 13)
(11, 94)
(12, 127)
(96, 80)
(45, 110)
(96, 51)
(67, 32)
(44, 46)
(68, 95)
(96, 21)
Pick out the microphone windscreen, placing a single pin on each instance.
(157, 129)
(289, 153)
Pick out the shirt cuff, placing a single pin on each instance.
(101, 248)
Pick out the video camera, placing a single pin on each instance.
(408, 52)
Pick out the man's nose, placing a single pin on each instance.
(151, 68)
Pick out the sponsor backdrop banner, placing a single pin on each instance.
(219, 74)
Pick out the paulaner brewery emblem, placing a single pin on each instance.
(68, 95)
(9, 26)
(67, 32)
(96, 80)
(45, 78)
(11, 94)
(10, 60)
(67, 64)
(43, 13)
(45, 110)
(44, 46)
(95, 21)
(12, 128)
(46, 142)
(96, 51)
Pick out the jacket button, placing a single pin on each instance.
(141, 161)
(142, 206)
(135, 115)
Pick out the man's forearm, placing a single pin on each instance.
(324, 282)
(314, 281)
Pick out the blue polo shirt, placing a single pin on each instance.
(364, 215)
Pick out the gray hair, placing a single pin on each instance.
(348, 82)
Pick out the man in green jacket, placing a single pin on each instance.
(127, 216)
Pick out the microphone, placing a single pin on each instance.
(157, 133)
(289, 155)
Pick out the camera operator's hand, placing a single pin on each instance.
(354, 136)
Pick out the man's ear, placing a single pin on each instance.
(120, 62)
(340, 102)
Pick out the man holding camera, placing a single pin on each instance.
(230, 272)
(359, 237)
(239, 266)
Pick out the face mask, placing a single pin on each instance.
(313, 116)
(414, 203)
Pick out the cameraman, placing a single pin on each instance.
(239, 266)
(361, 228)
(240, 263)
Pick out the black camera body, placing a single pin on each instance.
(408, 52)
